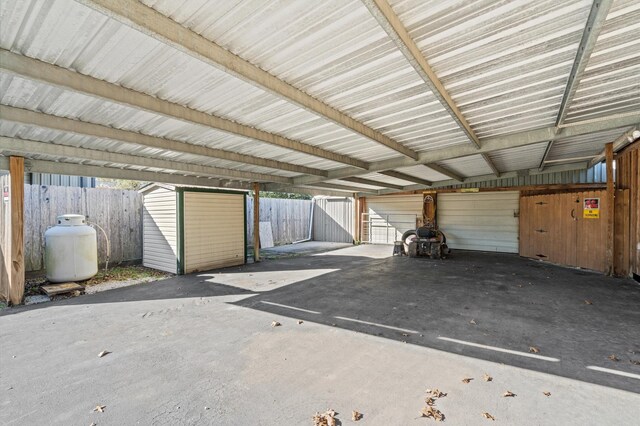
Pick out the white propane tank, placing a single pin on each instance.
(71, 250)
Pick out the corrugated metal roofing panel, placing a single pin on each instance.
(583, 145)
(611, 81)
(472, 165)
(335, 51)
(521, 158)
(71, 35)
(423, 172)
(505, 64)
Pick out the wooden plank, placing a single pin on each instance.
(622, 235)
(55, 289)
(610, 208)
(17, 279)
(266, 235)
(5, 239)
(256, 222)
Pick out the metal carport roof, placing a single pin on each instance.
(338, 95)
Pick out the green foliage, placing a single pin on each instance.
(287, 195)
(132, 185)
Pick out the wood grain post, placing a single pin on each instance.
(256, 222)
(356, 206)
(610, 207)
(16, 277)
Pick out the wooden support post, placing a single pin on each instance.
(356, 206)
(16, 277)
(610, 207)
(256, 222)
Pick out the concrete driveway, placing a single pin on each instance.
(377, 332)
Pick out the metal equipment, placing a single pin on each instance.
(426, 241)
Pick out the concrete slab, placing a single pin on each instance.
(194, 350)
(301, 249)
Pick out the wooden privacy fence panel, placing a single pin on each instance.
(118, 212)
(289, 218)
(333, 219)
(628, 177)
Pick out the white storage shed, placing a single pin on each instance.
(189, 229)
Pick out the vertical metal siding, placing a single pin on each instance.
(159, 230)
(485, 221)
(333, 219)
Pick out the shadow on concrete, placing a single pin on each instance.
(500, 301)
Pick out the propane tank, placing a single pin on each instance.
(71, 249)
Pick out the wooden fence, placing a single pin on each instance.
(289, 218)
(118, 212)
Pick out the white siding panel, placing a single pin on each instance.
(214, 230)
(482, 221)
(390, 216)
(159, 230)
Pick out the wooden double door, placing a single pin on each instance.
(553, 227)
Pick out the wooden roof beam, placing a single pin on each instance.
(147, 20)
(47, 121)
(29, 148)
(34, 69)
(445, 171)
(389, 21)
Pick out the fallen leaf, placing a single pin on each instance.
(433, 413)
(92, 424)
(588, 302)
(533, 349)
(547, 393)
(330, 412)
(430, 400)
(405, 334)
(612, 357)
(275, 324)
(436, 393)
(634, 361)
(488, 416)
(487, 378)
(473, 322)
(508, 393)
(300, 321)
(100, 408)
(103, 353)
(467, 380)
(355, 415)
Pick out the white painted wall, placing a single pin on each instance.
(390, 216)
(159, 230)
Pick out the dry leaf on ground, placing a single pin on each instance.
(433, 413)
(100, 408)
(612, 357)
(488, 416)
(547, 393)
(588, 302)
(430, 400)
(533, 349)
(103, 353)
(275, 324)
(325, 419)
(467, 380)
(436, 393)
(355, 415)
(300, 321)
(508, 393)
(634, 361)
(487, 378)
(472, 322)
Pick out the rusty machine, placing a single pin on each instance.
(426, 240)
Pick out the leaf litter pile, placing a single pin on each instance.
(430, 411)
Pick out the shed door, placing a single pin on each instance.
(214, 235)
(485, 221)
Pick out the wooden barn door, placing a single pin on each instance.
(553, 227)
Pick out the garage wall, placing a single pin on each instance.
(214, 232)
(388, 217)
(485, 221)
(160, 230)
